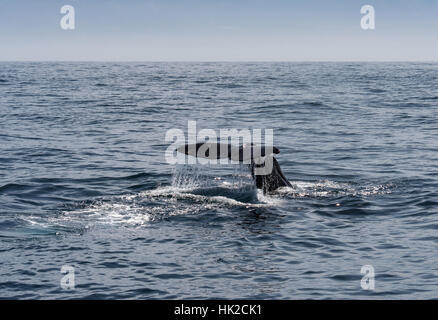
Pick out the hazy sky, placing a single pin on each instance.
(225, 30)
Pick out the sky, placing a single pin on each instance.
(219, 30)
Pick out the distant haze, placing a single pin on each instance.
(225, 30)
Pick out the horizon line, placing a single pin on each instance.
(223, 61)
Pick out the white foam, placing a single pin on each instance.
(327, 188)
(146, 206)
(194, 197)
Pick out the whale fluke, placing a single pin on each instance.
(214, 151)
(270, 182)
(256, 156)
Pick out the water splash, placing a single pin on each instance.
(197, 189)
(194, 189)
(208, 176)
(327, 188)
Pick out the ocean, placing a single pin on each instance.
(85, 187)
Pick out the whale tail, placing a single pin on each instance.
(267, 181)
(272, 181)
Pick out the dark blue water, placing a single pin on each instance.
(84, 181)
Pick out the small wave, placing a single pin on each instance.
(376, 90)
(14, 187)
(327, 188)
(315, 104)
(429, 98)
(229, 85)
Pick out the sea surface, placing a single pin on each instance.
(84, 182)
